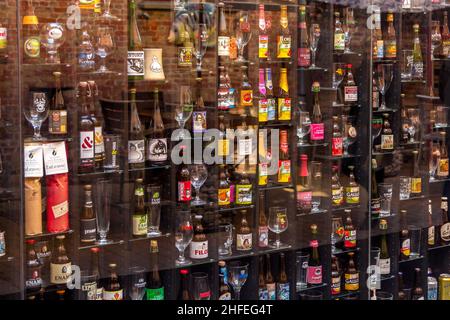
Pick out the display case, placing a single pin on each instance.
(254, 150)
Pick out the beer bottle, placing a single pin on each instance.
(245, 91)
(284, 100)
(317, 125)
(140, 218)
(375, 201)
(244, 234)
(271, 103)
(33, 281)
(223, 193)
(387, 137)
(417, 292)
(3, 44)
(199, 244)
(351, 275)
(417, 63)
(99, 147)
(113, 290)
(431, 226)
(352, 189)
(445, 38)
(184, 293)
(304, 52)
(135, 56)
(263, 39)
(95, 270)
(224, 286)
(136, 143)
(57, 122)
(378, 43)
(284, 166)
(375, 93)
(232, 184)
(184, 184)
(349, 231)
(61, 295)
(304, 190)
(284, 39)
(385, 259)
(262, 99)
(60, 265)
(86, 127)
(339, 35)
(270, 281)
(244, 188)
(337, 196)
(263, 161)
(314, 271)
(263, 230)
(335, 276)
(336, 140)
(444, 229)
(154, 289)
(263, 294)
(157, 143)
(32, 41)
(390, 41)
(405, 238)
(350, 88)
(432, 285)
(442, 170)
(223, 145)
(402, 295)
(223, 39)
(199, 115)
(223, 91)
(88, 221)
(283, 291)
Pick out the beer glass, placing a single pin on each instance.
(107, 16)
(414, 122)
(349, 29)
(385, 191)
(36, 112)
(441, 116)
(136, 288)
(200, 43)
(301, 264)
(337, 234)
(238, 273)
(405, 187)
(201, 290)
(407, 64)
(102, 196)
(112, 147)
(183, 110)
(314, 34)
(243, 34)
(184, 233)
(88, 290)
(416, 237)
(199, 174)
(153, 209)
(436, 37)
(435, 155)
(225, 239)
(384, 74)
(316, 173)
(304, 127)
(278, 223)
(350, 133)
(338, 74)
(52, 37)
(311, 295)
(104, 47)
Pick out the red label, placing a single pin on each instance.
(350, 238)
(314, 243)
(304, 200)
(205, 295)
(57, 202)
(314, 275)
(336, 149)
(184, 191)
(317, 131)
(304, 57)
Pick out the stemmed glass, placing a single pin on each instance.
(104, 47)
(106, 12)
(304, 127)
(238, 273)
(183, 235)
(183, 110)
(316, 174)
(434, 160)
(36, 112)
(200, 43)
(137, 283)
(350, 133)
(338, 74)
(436, 37)
(384, 74)
(314, 36)
(52, 37)
(199, 173)
(243, 35)
(278, 223)
(102, 204)
(413, 115)
(337, 233)
(349, 29)
(377, 125)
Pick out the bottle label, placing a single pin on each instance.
(304, 199)
(244, 194)
(88, 229)
(304, 57)
(244, 242)
(350, 93)
(135, 63)
(431, 236)
(263, 294)
(262, 110)
(157, 149)
(58, 122)
(233, 48)
(284, 46)
(339, 41)
(446, 48)
(245, 147)
(136, 151)
(405, 248)
(335, 285)
(60, 273)
(55, 158)
(385, 266)
(223, 147)
(351, 281)
(375, 205)
(416, 185)
(445, 232)
(337, 197)
(184, 191)
(223, 196)
(86, 59)
(350, 238)
(336, 146)
(284, 171)
(99, 144)
(140, 222)
(231, 101)
(378, 50)
(432, 293)
(263, 173)
(283, 291)
(284, 108)
(154, 294)
(2, 244)
(263, 236)
(199, 249)
(89, 290)
(32, 47)
(314, 275)
(113, 295)
(271, 109)
(246, 98)
(391, 48)
(33, 161)
(225, 296)
(199, 121)
(263, 46)
(99, 294)
(60, 209)
(443, 167)
(271, 291)
(185, 55)
(34, 280)
(86, 145)
(417, 70)
(352, 195)
(223, 46)
(317, 131)
(387, 141)
(3, 38)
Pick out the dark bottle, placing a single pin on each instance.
(86, 127)
(405, 122)
(60, 265)
(444, 229)
(335, 277)
(88, 221)
(304, 190)
(351, 275)
(95, 270)
(184, 184)
(157, 150)
(283, 290)
(263, 229)
(244, 188)
(349, 87)
(135, 56)
(317, 126)
(314, 271)
(284, 165)
(199, 244)
(154, 289)
(33, 281)
(224, 286)
(270, 281)
(97, 119)
(336, 140)
(113, 290)
(375, 201)
(402, 295)
(385, 258)
(263, 294)
(31, 37)
(405, 237)
(223, 193)
(136, 142)
(140, 218)
(352, 190)
(199, 115)
(244, 236)
(417, 292)
(184, 293)
(387, 136)
(349, 231)
(57, 119)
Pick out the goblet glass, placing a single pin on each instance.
(36, 112)
(278, 223)
(52, 37)
(104, 47)
(199, 173)
(243, 35)
(384, 74)
(183, 235)
(183, 110)
(238, 273)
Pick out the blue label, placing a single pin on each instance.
(263, 294)
(432, 293)
(283, 291)
(271, 109)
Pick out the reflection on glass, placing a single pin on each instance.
(201, 290)
(103, 196)
(314, 35)
(434, 160)
(337, 229)
(52, 37)
(243, 34)
(338, 74)
(104, 47)
(304, 127)
(183, 235)
(183, 110)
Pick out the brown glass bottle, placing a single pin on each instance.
(335, 276)
(349, 231)
(283, 290)
(314, 271)
(184, 184)
(405, 238)
(402, 295)
(157, 150)
(97, 119)
(60, 265)
(351, 275)
(88, 221)
(262, 288)
(113, 290)
(244, 234)
(223, 193)
(263, 230)
(86, 128)
(444, 228)
(57, 119)
(136, 142)
(224, 286)
(199, 244)
(270, 281)
(184, 293)
(417, 292)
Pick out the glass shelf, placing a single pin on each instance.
(345, 294)
(388, 61)
(275, 124)
(344, 251)
(165, 166)
(442, 246)
(387, 110)
(387, 277)
(383, 217)
(344, 207)
(312, 69)
(312, 287)
(413, 198)
(275, 187)
(147, 237)
(411, 259)
(413, 81)
(49, 234)
(320, 211)
(439, 180)
(99, 173)
(96, 244)
(235, 208)
(309, 145)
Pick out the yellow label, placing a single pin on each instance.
(87, 4)
(263, 46)
(351, 281)
(263, 174)
(416, 185)
(284, 171)
(32, 47)
(223, 147)
(284, 108)
(284, 46)
(262, 110)
(443, 167)
(391, 49)
(140, 224)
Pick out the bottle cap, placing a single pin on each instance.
(383, 224)
(95, 250)
(61, 236)
(222, 263)
(184, 271)
(112, 265)
(87, 187)
(31, 241)
(303, 157)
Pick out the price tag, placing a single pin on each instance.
(33, 161)
(55, 158)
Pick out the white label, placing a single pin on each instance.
(55, 33)
(60, 209)
(199, 249)
(244, 241)
(135, 63)
(55, 158)
(113, 295)
(99, 145)
(157, 149)
(33, 161)
(60, 273)
(223, 43)
(431, 235)
(136, 151)
(385, 266)
(351, 94)
(245, 147)
(445, 231)
(86, 144)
